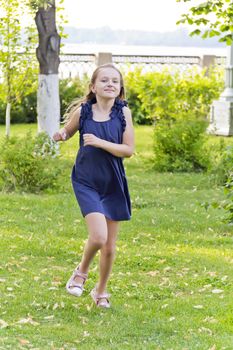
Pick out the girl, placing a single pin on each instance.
(106, 136)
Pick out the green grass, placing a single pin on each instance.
(171, 284)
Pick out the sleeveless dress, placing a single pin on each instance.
(98, 177)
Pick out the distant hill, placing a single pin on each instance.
(106, 35)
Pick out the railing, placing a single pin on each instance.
(73, 65)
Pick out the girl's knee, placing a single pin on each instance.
(98, 238)
(109, 250)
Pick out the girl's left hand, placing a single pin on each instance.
(91, 140)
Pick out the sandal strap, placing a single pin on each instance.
(79, 274)
(102, 300)
(102, 296)
(73, 285)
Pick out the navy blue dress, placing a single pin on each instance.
(98, 177)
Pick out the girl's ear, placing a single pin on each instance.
(92, 89)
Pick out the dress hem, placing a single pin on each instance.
(107, 216)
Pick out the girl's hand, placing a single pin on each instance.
(92, 140)
(60, 135)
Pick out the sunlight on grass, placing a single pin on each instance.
(171, 285)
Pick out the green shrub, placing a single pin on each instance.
(71, 89)
(179, 145)
(221, 161)
(132, 85)
(171, 94)
(29, 164)
(227, 203)
(24, 111)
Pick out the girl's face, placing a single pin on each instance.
(107, 83)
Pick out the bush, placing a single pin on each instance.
(71, 89)
(225, 204)
(171, 94)
(29, 164)
(132, 85)
(25, 110)
(179, 145)
(222, 162)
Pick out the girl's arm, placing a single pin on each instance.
(70, 128)
(125, 149)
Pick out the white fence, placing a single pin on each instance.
(73, 65)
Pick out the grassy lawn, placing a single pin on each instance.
(171, 284)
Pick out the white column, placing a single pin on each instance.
(221, 114)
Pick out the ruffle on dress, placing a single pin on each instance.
(116, 112)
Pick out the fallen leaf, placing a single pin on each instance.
(49, 317)
(152, 273)
(24, 341)
(55, 306)
(205, 330)
(210, 320)
(198, 307)
(28, 320)
(217, 291)
(3, 324)
(213, 347)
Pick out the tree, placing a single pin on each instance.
(47, 52)
(16, 60)
(215, 16)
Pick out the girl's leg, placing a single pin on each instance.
(98, 232)
(107, 255)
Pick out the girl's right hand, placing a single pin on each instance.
(60, 135)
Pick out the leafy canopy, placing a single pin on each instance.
(211, 18)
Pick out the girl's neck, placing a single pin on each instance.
(103, 105)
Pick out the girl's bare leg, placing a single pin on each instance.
(107, 255)
(98, 233)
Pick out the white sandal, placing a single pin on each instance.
(74, 287)
(101, 300)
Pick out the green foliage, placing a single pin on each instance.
(227, 202)
(171, 94)
(222, 162)
(24, 111)
(179, 145)
(71, 89)
(215, 15)
(178, 104)
(18, 65)
(222, 174)
(132, 85)
(28, 164)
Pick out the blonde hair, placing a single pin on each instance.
(91, 95)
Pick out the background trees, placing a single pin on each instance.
(215, 17)
(18, 66)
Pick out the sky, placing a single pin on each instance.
(148, 15)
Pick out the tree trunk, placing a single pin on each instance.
(8, 119)
(48, 103)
